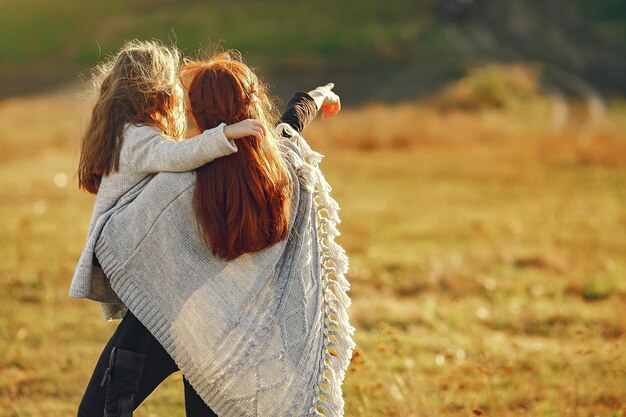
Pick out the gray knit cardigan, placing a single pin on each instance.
(266, 334)
(145, 152)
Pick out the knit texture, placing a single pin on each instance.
(266, 334)
(145, 152)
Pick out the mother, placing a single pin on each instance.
(234, 268)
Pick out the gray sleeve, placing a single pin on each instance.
(154, 152)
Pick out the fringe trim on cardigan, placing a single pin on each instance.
(337, 339)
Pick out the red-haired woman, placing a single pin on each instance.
(233, 270)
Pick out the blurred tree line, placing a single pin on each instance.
(392, 50)
(580, 43)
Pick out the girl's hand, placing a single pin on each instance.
(244, 128)
(326, 100)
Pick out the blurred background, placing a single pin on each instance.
(480, 162)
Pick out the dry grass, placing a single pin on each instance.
(488, 261)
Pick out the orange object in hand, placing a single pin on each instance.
(330, 110)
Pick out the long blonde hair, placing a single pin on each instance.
(139, 85)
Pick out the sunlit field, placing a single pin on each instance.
(487, 247)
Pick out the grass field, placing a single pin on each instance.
(488, 261)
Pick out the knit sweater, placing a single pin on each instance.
(265, 334)
(145, 151)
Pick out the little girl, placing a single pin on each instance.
(138, 112)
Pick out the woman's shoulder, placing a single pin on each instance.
(295, 147)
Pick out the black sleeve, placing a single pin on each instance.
(300, 111)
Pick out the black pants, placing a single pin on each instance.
(132, 335)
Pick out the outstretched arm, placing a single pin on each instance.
(300, 111)
(303, 107)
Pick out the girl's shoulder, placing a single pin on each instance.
(140, 132)
(140, 127)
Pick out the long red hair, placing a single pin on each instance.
(241, 201)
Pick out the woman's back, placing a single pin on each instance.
(262, 352)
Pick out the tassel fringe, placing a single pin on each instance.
(338, 343)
